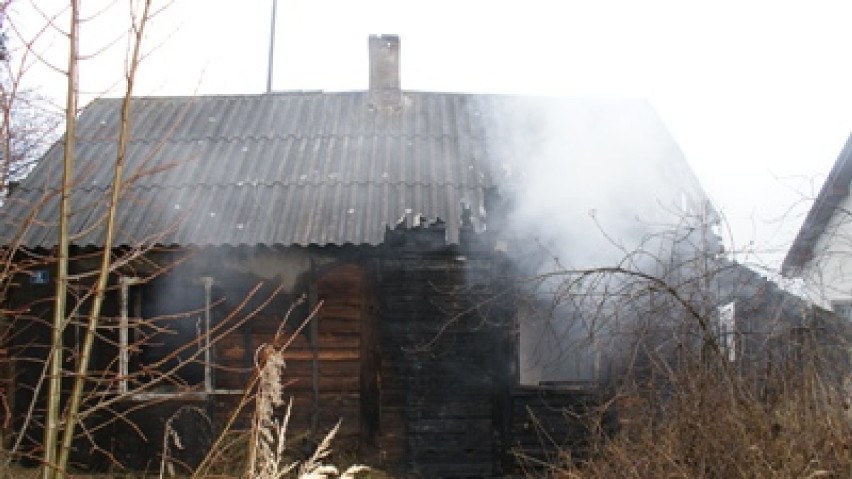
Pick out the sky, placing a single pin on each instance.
(756, 93)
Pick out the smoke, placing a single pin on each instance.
(591, 183)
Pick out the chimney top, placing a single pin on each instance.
(385, 90)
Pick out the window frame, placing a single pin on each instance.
(727, 324)
(126, 283)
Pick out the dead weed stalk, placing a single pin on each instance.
(270, 458)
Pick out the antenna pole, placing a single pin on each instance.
(271, 47)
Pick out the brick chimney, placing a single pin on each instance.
(385, 91)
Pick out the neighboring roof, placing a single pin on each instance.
(833, 192)
(289, 168)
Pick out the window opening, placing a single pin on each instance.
(727, 330)
(157, 320)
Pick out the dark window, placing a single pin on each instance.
(163, 335)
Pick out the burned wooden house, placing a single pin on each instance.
(384, 205)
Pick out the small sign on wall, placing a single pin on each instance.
(40, 276)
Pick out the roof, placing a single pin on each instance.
(833, 192)
(285, 169)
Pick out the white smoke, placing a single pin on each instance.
(589, 181)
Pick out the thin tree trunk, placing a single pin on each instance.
(71, 413)
(7, 136)
(51, 423)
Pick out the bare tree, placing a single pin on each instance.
(70, 298)
(75, 398)
(711, 369)
(51, 426)
(71, 415)
(28, 122)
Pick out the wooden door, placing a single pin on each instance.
(347, 386)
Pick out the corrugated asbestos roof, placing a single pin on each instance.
(280, 169)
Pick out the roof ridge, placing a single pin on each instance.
(314, 92)
(302, 93)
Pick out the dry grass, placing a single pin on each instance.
(16, 472)
(704, 427)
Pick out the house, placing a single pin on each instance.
(820, 254)
(391, 207)
(767, 330)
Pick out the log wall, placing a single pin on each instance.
(413, 350)
(444, 369)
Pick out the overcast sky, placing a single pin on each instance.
(757, 93)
